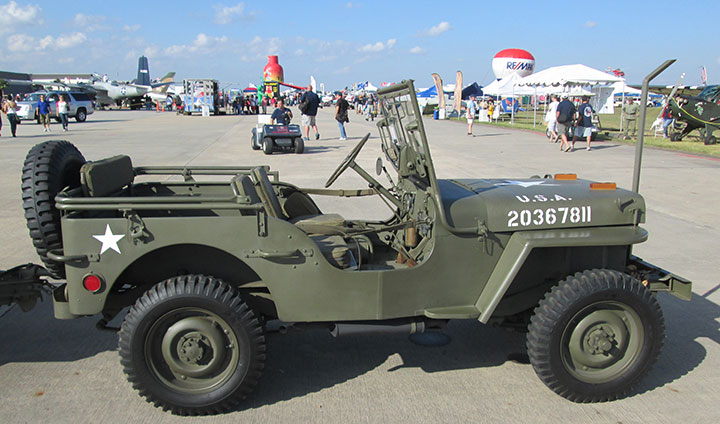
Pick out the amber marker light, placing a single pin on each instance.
(603, 186)
(92, 283)
(566, 177)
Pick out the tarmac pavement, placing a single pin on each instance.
(69, 372)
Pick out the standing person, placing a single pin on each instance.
(564, 116)
(631, 111)
(2, 108)
(584, 122)
(667, 120)
(43, 108)
(264, 104)
(341, 115)
(309, 103)
(281, 115)
(62, 110)
(551, 119)
(470, 109)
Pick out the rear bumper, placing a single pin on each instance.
(658, 279)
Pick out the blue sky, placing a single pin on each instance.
(344, 42)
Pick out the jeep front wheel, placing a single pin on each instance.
(192, 346)
(595, 336)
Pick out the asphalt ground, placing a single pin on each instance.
(69, 372)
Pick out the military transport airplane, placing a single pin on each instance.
(131, 93)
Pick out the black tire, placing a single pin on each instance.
(675, 137)
(81, 115)
(166, 346)
(267, 145)
(710, 140)
(595, 336)
(299, 145)
(49, 167)
(253, 144)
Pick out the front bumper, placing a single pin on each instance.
(658, 279)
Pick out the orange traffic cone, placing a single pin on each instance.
(157, 107)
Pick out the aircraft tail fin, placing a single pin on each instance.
(143, 76)
(162, 86)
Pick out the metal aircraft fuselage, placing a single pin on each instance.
(111, 92)
(698, 112)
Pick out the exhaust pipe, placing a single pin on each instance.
(399, 326)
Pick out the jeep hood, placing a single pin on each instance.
(530, 204)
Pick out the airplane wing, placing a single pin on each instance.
(102, 97)
(687, 90)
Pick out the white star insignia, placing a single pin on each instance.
(108, 240)
(524, 184)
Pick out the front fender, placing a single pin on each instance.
(521, 244)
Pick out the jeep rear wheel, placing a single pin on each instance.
(595, 336)
(49, 168)
(192, 346)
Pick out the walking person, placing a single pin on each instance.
(583, 128)
(341, 115)
(63, 109)
(470, 110)
(10, 108)
(667, 120)
(551, 119)
(309, 103)
(631, 111)
(564, 116)
(43, 110)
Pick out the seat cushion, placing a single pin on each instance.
(330, 223)
(107, 176)
(334, 249)
(242, 185)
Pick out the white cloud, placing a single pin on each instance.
(71, 40)
(24, 42)
(718, 60)
(351, 5)
(417, 50)
(202, 44)
(131, 28)
(379, 46)
(226, 14)
(439, 28)
(299, 52)
(343, 70)
(90, 22)
(13, 14)
(590, 24)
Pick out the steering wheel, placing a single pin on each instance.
(347, 161)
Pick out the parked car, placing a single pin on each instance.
(80, 105)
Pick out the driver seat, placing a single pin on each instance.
(322, 224)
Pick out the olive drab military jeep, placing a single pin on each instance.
(205, 265)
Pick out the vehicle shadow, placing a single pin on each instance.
(685, 324)
(38, 337)
(307, 362)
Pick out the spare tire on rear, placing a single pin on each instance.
(49, 168)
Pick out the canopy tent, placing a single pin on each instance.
(370, 88)
(250, 90)
(509, 86)
(430, 92)
(472, 90)
(568, 75)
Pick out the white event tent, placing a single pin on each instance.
(568, 76)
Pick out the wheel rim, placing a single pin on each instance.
(192, 350)
(602, 341)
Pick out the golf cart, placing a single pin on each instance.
(276, 138)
